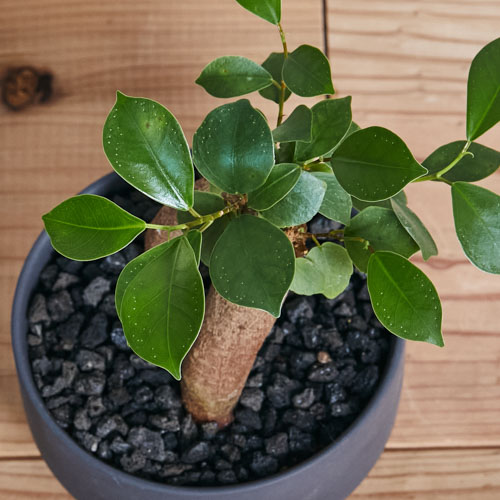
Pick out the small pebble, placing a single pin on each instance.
(95, 290)
(277, 445)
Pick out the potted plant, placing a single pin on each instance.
(247, 219)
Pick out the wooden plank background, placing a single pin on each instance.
(404, 62)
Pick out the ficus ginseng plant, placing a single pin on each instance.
(262, 180)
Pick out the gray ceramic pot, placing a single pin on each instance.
(331, 474)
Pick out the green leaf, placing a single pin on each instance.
(279, 183)
(194, 238)
(274, 64)
(146, 146)
(207, 203)
(233, 148)
(415, 227)
(354, 127)
(477, 222)
(284, 154)
(306, 72)
(331, 119)
(374, 164)
(270, 10)
(326, 269)
(337, 203)
(483, 91)
(404, 299)
(470, 168)
(320, 167)
(231, 76)
(300, 205)
(162, 305)
(88, 227)
(269, 264)
(382, 229)
(360, 205)
(297, 127)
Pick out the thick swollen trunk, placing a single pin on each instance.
(216, 368)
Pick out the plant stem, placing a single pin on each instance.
(193, 212)
(283, 40)
(438, 175)
(200, 221)
(283, 85)
(316, 242)
(206, 225)
(277, 84)
(334, 233)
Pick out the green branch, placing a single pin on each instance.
(283, 85)
(202, 220)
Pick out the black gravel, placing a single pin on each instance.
(315, 372)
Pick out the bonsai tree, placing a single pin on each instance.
(246, 217)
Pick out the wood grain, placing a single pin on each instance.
(406, 66)
(469, 474)
(406, 63)
(399, 475)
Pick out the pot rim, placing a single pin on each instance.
(24, 372)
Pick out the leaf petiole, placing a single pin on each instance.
(193, 212)
(438, 176)
(206, 226)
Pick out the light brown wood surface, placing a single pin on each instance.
(405, 64)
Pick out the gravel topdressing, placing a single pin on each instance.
(315, 372)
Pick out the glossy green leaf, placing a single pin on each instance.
(477, 222)
(195, 238)
(354, 127)
(88, 227)
(163, 303)
(146, 146)
(207, 203)
(382, 229)
(326, 269)
(337, 203)
(306, 72)
(297, 126)
(281, 180)
(470, 168)
(331, 119)
(374, 164)
(269, 264)
(415, 227)
(270, 10)
(300, 205)
(274, 64)
(231, 76)
(404, 299)
(360, 205)
(284, 154)
(233, 148)
(483, 91)
(320, 167)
